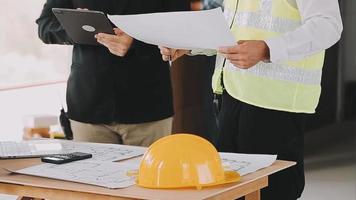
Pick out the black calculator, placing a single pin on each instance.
(66, 158)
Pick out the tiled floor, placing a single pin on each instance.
(331, 163)
(331, 182)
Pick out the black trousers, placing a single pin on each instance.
(249, 129)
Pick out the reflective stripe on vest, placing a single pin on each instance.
(292, 86)
(282, 72)
(265, 22)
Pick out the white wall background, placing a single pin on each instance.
(24, 59)
(15, 104)
(23, 56)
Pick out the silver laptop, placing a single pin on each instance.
(29, 149)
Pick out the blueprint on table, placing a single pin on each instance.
(115, 175)
(104, 174)
(246, 163)
(104, 152)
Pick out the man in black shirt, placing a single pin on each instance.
(115, 99)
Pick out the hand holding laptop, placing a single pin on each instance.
(82, 24)
(118, 44)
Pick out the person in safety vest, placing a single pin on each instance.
(271, 79)
(122, 98)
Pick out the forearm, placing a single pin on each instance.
(321, 28)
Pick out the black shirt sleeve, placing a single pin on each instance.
(49, 29)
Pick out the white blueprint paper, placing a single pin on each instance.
(115, 175)
(246, 163)
(181, 30)
(104, 174)
(104, 152)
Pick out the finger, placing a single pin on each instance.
(234, 56)
(166, 51)
(229, 50)
(121, 49)
(103, 42)
(239, 64)
(178, 54)
(117, 53)
(173, 52)
(166, 58)
(162, 47)
(240, 57)
(110, 45)
(118, 31)
(106, 37)
(242, 64)
(175, 57)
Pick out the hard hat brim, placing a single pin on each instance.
(230, 177)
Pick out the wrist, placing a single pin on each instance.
(277, 49)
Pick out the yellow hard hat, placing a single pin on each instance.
(183, 161)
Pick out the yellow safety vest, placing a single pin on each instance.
(292, 86)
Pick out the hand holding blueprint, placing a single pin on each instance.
(179, 30)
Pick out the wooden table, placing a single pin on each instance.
(22, 185)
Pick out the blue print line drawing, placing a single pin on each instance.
(105, 174)
(235, 165)
(104, 153)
